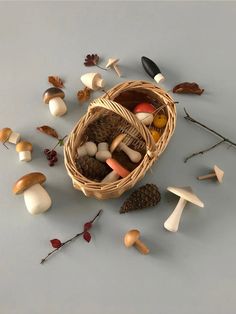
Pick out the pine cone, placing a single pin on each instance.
(146, 196)
(101, 130)
(92, 168)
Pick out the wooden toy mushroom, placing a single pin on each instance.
(89, 148)
(36, 197)
(145, 112)
(132, 154)
(152, 69)
(118, 171)
(53, 96)
(186, 195)
(132, 238)
(218, 174)
(112, 63)
(7, 135)
(93, 81)
(103, 152)
(24, 149)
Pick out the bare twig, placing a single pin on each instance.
(223, 138)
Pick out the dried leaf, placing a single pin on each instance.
(84, 95)
(87, 236)
(87, 226)
(91, 60)
(48, 130)
(56, 243)
(188, 88)
(56, 81)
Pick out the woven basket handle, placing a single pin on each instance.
(128, 116)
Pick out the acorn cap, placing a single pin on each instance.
(187, 194)
(111, 61)
(5, 134)
(219, 173)
(27, 181)
(144, 107)
(24, 146)
(116, 141)
(131, 237)
(51, 93)
(120, 170)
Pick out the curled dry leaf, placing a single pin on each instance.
(56, 81)
(91, 60)
(188, 88)
(48, 130)
(84, 95)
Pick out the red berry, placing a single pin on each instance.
(54, 159)
(53, 153)
(46, 151)
(51, 163)
(49, 157)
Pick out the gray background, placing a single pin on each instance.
(192, 271)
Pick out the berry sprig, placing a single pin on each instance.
(51, 154)
(57, 244)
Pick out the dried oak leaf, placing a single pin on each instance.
(48, 130)
(91, 60)
(56, 81)
(84, 95)
(188, 88)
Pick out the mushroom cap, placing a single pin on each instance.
(144, 107)
(131, 237)
(219, 173)
(111, 61)
(52, 92)
(116, 141)
(27, 181)
(24, 146)
(120, 170)
(90, 80)
(187, 194)
(4, 134)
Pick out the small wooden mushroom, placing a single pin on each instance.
(53, 96)
(112, 63)
(7, 135)
(132, 238)
(132, 154)
(145, 112)
(218, 174)
(24, 149)
(118, 171)
(186, 195)
(36, 197)
(93, 81)
(103, 152)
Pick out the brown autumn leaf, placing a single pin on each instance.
(48, 131)
(188, 88)
(56, 81)
(91, 60)
(84, 95)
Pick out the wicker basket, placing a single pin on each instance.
(138, 135)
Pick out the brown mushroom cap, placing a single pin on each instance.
(24, 146)
(131, 237)
(52, 92)
(219, 173)
(116, 141)
(187, 194)
(27, 181)
(4, 134)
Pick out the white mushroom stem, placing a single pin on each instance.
(111, 177)
(207, 176)
(37, 199)
(172, 223)
(117, 70)
(103, 153)
(25, 156)
(57, 106)
(99, 82)
(102, 146)
(132, 154)
(14, 138)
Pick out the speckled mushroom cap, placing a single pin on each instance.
(116, 141)
(52, 92)
(4, 134)
(131, 237)
(27, 181)
(24, 146)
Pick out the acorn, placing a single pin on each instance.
(92, 168)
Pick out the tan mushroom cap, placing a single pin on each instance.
(5, 134)
(131, 237)
(51, 93)
(24, 146)
(116, 141)
(111, 61)
(27, 181)
(219, 173)
(187, 194)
